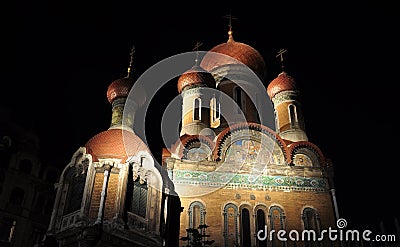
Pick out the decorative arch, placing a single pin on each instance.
(142, 165)
(300, 147)
(277, 221)
(221, 145)
(186, 142)
(197, 214)
(311, 221)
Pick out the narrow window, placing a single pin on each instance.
(196, 214)
(76, 189)
(230, 225)
(139, 198)
(215, 112)
(213, 106)
(238, 98)
(311, 223)
(293, 116)
(276, 218)
(261, 226)
(245, 227)
(197, 109)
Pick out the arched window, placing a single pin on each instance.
(311, 223)
(139, 198)
(277, 221)
(25, 166)
(215, 113)
(260, 223)
(197, 109)
(293, 116)
(76, 186)
(245, 228)
(238, 96)
(230, 225)
(197, 214)
(17, 196)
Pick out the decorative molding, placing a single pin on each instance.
(261, 182)
(285, 96)
(191, 215)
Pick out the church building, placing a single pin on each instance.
(241, 171)
(239, 180)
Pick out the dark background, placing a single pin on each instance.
(60, 57)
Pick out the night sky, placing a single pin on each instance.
(59, 58)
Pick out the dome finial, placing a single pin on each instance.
(196, 48)
(280, 55)
(230, 17)
(130, 70)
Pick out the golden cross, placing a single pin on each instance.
(197, 45)
(230, 18)
(280, 54)
(196, 48)
(131, 62)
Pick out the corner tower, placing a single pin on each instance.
(193, 85)
(285, 97)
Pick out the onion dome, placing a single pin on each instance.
(195, 76)
(119, 88)
(283, 82)
(240, 52)
(115, 143)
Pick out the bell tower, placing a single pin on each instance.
(193, 86)
(285, 97)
